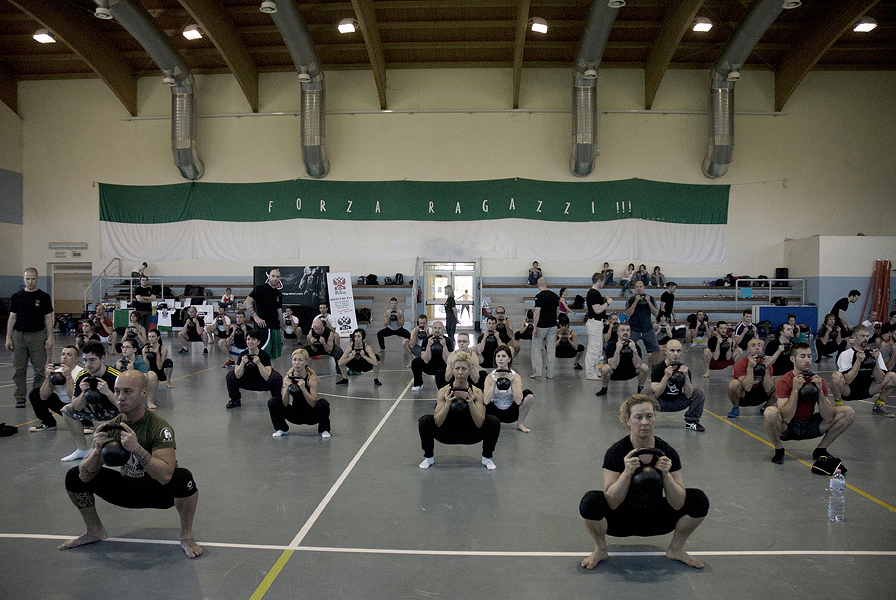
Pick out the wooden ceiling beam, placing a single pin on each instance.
(370, 31)
(828, 24)
(81, 32)
(214, 21)
(519, 47)
(678, 18)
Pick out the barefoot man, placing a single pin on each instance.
(631, 506)
(149, 479)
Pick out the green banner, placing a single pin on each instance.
(416, 201)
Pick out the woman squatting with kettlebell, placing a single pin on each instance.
(643, 492)
(504, 396)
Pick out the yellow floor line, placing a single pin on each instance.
(769, 444)
(272, 575)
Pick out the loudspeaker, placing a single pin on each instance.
(781, 273)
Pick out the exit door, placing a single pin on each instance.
(462, 278)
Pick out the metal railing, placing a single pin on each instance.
(97, 289)
(763, 285)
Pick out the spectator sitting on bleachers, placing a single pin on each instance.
(226, 299)
(657, 279)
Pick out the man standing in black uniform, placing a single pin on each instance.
(29, 334)
(264, 305)
(547, 303)
(143, 299)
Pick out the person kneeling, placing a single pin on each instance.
(794, 417)
(752, 384)
(640, 500)
(149, 477)
(504, 396)
(459, 418)
(253, 371)
(359, 357)
(299, 402)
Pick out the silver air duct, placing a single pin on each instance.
(134, 18)
(725, 73)
(292, 27)
(585, 149)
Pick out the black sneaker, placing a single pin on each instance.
(577, 367)
(182, 351)
(377, 382)
(342, 381)
(20, 404)
(205, 351)
(778, 457)
(234, 404)
(602, 392)
(694, 426)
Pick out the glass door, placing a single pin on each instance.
(462, 277)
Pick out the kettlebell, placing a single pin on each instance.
(57, 378)
(436, 348)
(113, 453)
(502, 382)
(421, 334)
(626, 351)
(647, 479)
(92, 395)
(678, 378)
(809, 391)
(759, 370)
(293, 388)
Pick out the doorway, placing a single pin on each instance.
(68, 282)
(463, 277)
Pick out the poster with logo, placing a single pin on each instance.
(342, 302)
(300, 286)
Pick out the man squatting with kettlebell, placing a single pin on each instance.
(794, 417)
(642, 497)
(142, 444)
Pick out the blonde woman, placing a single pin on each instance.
(299, 402)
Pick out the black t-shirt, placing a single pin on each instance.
(614, 460)
(450, 317)
(626, 368)
(267, 302)
(250, 374)
(669, 299)
(549, 302)
(841, 304)
(783, 364)
(143, 306)
(109, 376)
(594, 297)
(672, 391)
(239, 338)
(30, 309)
(725, 349)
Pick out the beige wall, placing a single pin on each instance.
(823, 168)
(11, 266)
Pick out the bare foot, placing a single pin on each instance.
(682, 556)
(591, 561)
(152, 407)
(706, 374)
(170, 385)
(523, 428)
(84, 539)
(191, 548)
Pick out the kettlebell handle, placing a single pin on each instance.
(656, 452)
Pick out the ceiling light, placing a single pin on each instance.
(864, 25)
(192, 32)
(702, 24)
(347, 25)
(102, 12)
(791, 4)
(44, 36)
(616, 3)
(268, 6)
(538, 25)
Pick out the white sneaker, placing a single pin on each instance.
(416, 388)
(280, 433)
(88, 430)
(76, 455)
(488, 464)
(427, 463)
(41, 427)
(325, 435)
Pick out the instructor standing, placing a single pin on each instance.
(264, 305)
(29, 333)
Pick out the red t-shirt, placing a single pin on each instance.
(740, 369)
(804, 409)
(101, 331)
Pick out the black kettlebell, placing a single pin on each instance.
(113, 453)
(502, 382)
(626, 351)
(809, 391)
(647, 479)
(436, 348)
(57, 378)
(724, 349)
(678, 378)
(293, 388)
(393, 317)
(150, 357)
(759, 369)
(459, 405)
(421, 334)
(92, 394)
(868, 362)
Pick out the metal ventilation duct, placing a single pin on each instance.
(133, 17)
(725, 73)
(585, 149)
(292, 27)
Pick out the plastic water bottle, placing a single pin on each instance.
(837, 497)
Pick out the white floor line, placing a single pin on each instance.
(492, 553)
(323, 503)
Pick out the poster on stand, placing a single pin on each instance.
(342, 302)
(300, 286)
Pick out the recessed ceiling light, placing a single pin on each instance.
(702, 24)
(44, 36)
(865, 25)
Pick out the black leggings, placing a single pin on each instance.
(627, 520)
(435, 366)
(300, 413)
(114, 488)
(830, 348)
(459, 433)
(382, 334)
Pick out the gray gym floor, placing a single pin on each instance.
(354, 517)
